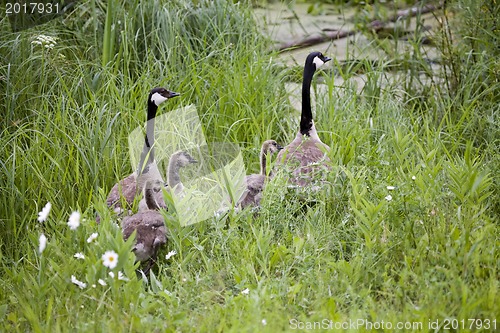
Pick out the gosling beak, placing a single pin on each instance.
(193, 161)
(279, 147)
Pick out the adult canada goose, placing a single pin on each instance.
(256, 182)
(177, 161)
(131, 185)
(306, 153)
(149, 226)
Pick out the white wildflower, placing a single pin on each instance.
(44, 213)
(47, 41)
(74, 220)
(388, 198)
(79, 255)
(390, 188)
(78, 283)
(170, 254)
(413, 177)
(122, 276)
(102, 282)
(43, 243)
(112, 275)
(245, 291)
(92, 237)
(110, 259)
(264, 322)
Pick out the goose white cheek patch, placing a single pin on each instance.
(318, 62)
(158, 99)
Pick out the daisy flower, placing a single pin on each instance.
(78, 283)
(74, 220)
(44, 213)
(92, 237)
(79, 255)
(43, 243)
(170, 254)
(110, 259)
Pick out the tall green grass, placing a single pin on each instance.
(406, 229)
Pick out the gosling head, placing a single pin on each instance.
(317, 58)
(271, 146)
(160, 95)
(154, 185)
(182, 159)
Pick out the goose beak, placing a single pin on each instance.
(327, 59)
(172, 94)
(193, 161)
(279, 147)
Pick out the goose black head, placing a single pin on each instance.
(160, 95)
(317, 58)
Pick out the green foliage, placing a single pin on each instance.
(405, 227)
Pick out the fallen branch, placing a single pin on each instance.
(316, 38)
(321, 37)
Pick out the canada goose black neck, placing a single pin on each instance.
(155, 98)
(149, 139)
(313, 60)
